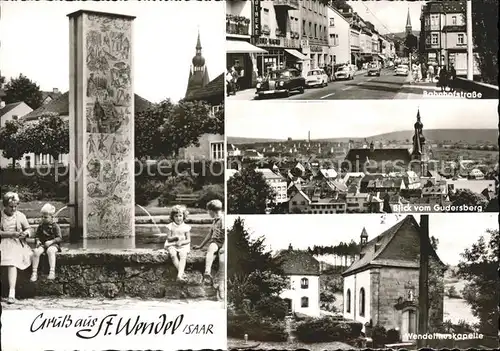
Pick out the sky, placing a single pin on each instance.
(455, 232)
(35, 42)
(352, 118)
(389, 16)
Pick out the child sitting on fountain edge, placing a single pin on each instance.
(47, 239)
(178, 239)
(215, 237)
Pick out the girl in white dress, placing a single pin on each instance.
(178, 242)
(14, 250)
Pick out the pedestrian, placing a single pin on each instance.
(452, 78)
(229, 83)
(215, 238)
(47, 239)
(14, 250)
(430, 73)
(443, 78)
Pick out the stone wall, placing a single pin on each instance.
(118, 273)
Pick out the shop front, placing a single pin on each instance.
(242, 55)
(319, 55)
(279, 53)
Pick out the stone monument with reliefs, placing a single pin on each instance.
(101, 116)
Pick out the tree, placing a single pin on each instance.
(436, 289)
(249, 193)
(48, 136)
(167, 127)
(466, 197)
(23, 89)
(252, 272)
(411, 44)
(485, 36)
(479, 268)
(12, 143)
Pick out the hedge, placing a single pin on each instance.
(327, 329)
(257, 328)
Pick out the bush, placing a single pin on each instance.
(379, 336)
(273, 306)
(209, 193)
(393, 336)
(146, 191)
(327, 329)
(181, 184)
(257, 328)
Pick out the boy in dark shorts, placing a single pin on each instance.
(47, 237)
(215, 238)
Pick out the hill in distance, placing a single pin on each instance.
(469, 136)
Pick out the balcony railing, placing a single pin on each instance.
(238, 25)
(287, 4)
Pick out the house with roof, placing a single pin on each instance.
(277, 182)
(48, 96)
(12, 112)
(305, 199)
(303, 272)
(381, 287)
(60, 106)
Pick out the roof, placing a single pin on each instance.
(61, 107)
(385, 183)
(214, 88)
(444, 7)
(268, 174)
(370, 256)
(52, 95)
(9, 107)
(296, 262)
(377, 155)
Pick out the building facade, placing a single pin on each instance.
(303, 272)
(381, 287)
(445, 34)
(339, 37)
(315, 34)
(12, 112)
(277, 183)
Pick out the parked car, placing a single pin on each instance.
(402, 70)
(344, 72)
(282, 81)
(374, 69)
(316, 77)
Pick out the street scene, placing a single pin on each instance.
(101, 205)
(361, 50)
(392, 157)
(367, 281)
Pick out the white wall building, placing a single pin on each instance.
(9, 112)
(339, 37)
(303, 293)
(277, 183)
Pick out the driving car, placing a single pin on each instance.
(402, 70)
(316, 77)
(282, 81)
(373, 69)
(344, 72)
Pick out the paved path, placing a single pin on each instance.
(362, 87)
(45, 303)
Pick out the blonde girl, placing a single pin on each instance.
(178, 243)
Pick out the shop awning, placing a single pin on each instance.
(297, 54)
(242, 47)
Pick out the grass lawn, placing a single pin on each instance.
(32, 209)
(269, 345)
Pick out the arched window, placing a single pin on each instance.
(304, 283)
(348, 301)
(304, 302)
(362, 302)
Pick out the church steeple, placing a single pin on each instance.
(198, 74)
(408, 23)
(418, 152)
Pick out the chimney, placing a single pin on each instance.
(55, 90)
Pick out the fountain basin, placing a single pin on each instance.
(114, 273)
